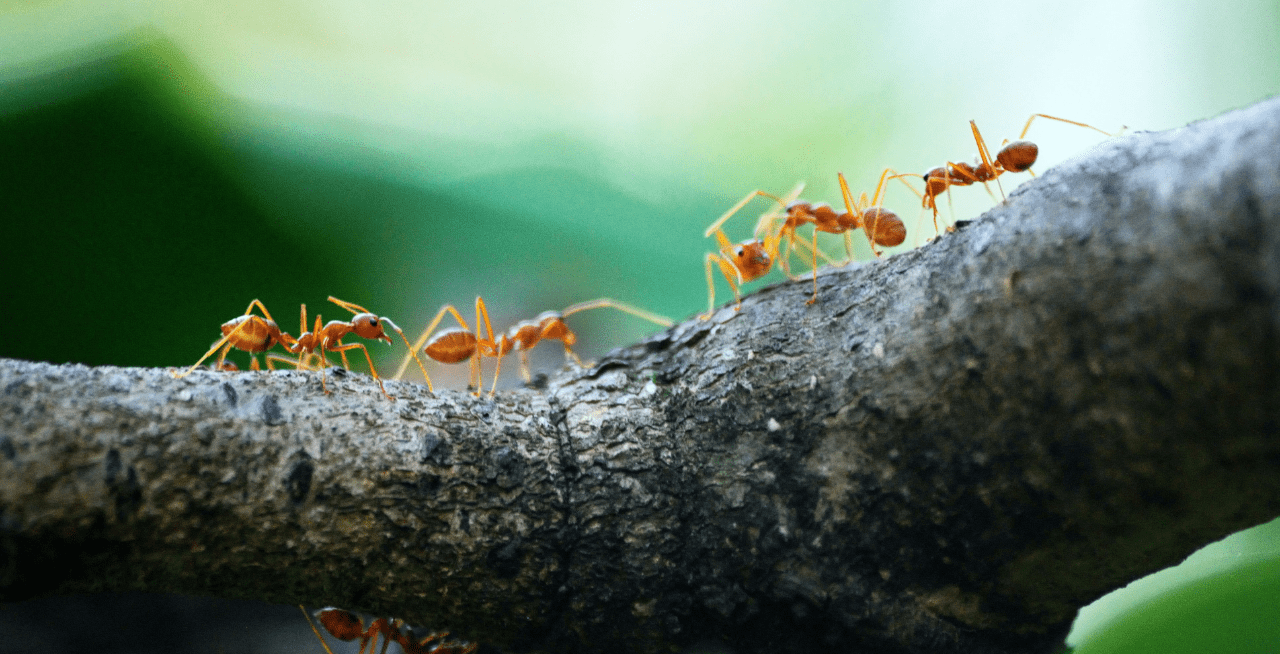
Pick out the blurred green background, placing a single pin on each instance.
(166, 161)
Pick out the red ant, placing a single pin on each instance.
(749, 260)
(247, 332)
(459, 344)
(329, 338)
(346, 626)
(1014, 157)
(752, 259)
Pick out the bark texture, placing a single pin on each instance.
(953, 451)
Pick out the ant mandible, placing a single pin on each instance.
(329, 338)
(247, 332)
(1014, 157)
(346, 626)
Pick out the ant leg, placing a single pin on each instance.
(354, 308)
(725, 268)
(222, 356)
(340, 348)
(276, 358)
(342, 353)
(497, 370)
(314, 630)
(1034, 116)
(765, 224)
(609, 303)
(422, 340)
(853, 209)
(987, 160)
(899, 176)
(225, 340)
(815, 266)
(737, 207)
(387, 321)
(482, 315)
(524, 367)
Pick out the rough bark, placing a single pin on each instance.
(953, 451)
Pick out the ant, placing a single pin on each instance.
(752, 259)
(458, 344)
(247, 332)
(329, 338)
(1014, 157)
(346, 626)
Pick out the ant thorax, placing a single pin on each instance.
(524, 334)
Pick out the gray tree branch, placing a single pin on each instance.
(953, 451)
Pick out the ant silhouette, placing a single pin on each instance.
(247, 332)
(1014, 157)
(329, 338)
(458, 344)
(347, 626)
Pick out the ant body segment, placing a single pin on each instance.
(248, 332)
(459, 344)
(346, 626)
(1014, 157)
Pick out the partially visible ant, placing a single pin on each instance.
(749, 260)
(550, 325)
(882, 227)
(456, 345)
(1014, 157)
(347, 626)
(248, 332)
(329, 338)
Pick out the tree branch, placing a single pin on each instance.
(953, 451)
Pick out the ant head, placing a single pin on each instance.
(752, 259)
(367, 325)
(1018, 156)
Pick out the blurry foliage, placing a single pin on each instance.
(138, 223)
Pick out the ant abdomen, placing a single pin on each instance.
(884, 227)
(1017, 156)
(452, 346)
